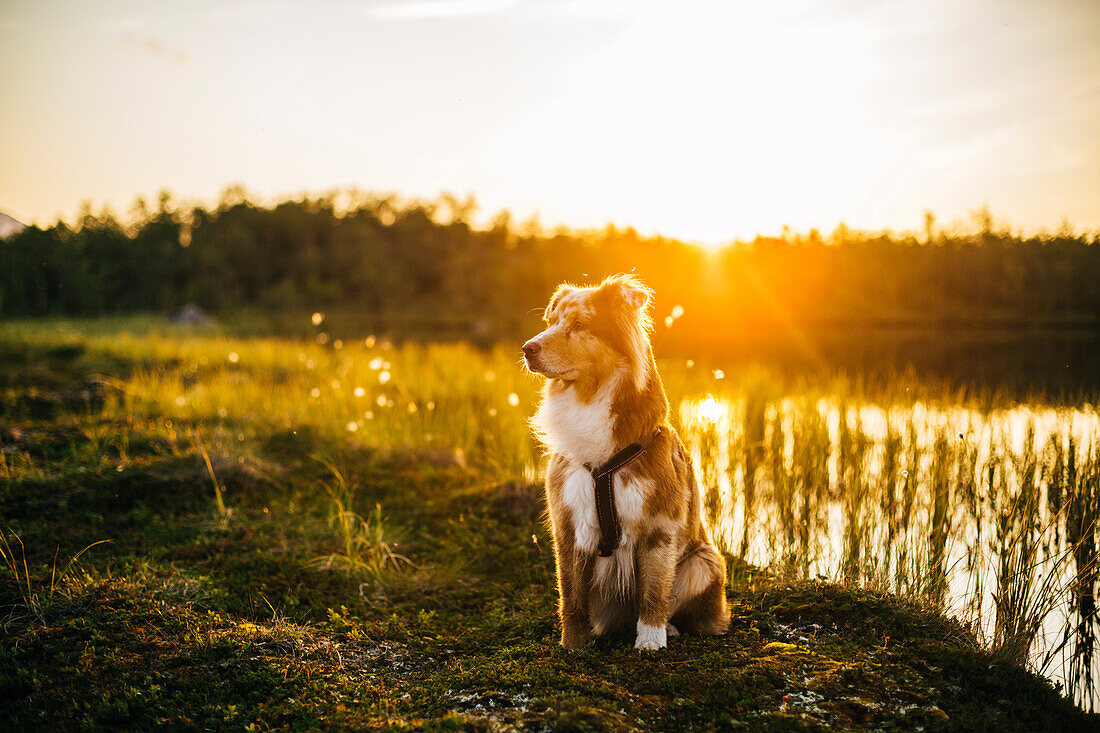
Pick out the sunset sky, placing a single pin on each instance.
(700, 120)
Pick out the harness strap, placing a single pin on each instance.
(611, 532)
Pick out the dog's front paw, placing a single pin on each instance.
(650, 637)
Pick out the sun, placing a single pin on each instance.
(701, 121)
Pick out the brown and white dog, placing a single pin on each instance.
(602, 394)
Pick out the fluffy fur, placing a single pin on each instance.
(603, 393)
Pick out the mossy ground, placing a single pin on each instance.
(192, 619)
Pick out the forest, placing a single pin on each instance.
(418, 266)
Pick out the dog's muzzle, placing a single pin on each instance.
(531, 351)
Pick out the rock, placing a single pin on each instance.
(191, 315)
(9, 226)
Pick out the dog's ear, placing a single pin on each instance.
(634, 293)
(562, 290)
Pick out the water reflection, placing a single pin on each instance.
(987, 514)
(1061, 363)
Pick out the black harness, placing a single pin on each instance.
(611, 532)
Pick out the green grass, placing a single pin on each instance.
(270, 566)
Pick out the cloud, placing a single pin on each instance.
(155, 47)
(432, 9)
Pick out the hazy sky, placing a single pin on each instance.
(702, 120)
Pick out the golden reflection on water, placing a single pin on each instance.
(913, 498)
(712, 427)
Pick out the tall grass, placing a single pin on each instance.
(1078, 486)
(364, 544)
(224, 513)
(37, 594)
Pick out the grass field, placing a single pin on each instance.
(316, 534)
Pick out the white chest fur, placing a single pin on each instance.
(615, 574)
(579, 495)
(581, 431)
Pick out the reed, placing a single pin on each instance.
(985, 511)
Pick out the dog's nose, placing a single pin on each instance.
(531, 348)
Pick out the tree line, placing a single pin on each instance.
(423, 265)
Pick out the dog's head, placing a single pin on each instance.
(594, 331)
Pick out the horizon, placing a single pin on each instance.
(973, 222)
(697, 122)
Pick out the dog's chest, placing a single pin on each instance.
(580, 431)
(579, 495)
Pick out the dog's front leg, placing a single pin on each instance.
(656, 569)
(574, 581)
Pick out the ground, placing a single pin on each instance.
(248, 608)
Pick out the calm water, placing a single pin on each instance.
(986, 513)
(1057, 364)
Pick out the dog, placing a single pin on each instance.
(638, 553)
